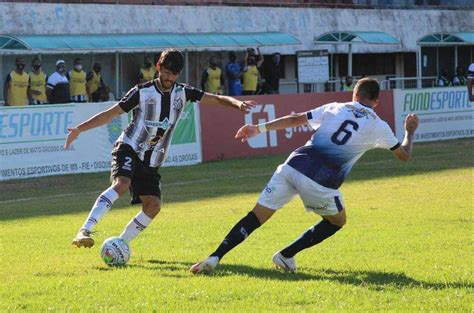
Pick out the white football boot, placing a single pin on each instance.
(83, 239)
(286, 264)
(205, 267)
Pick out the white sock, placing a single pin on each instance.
(136, 226)
(101, 206)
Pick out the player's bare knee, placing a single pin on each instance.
(151, 208)
(337, 220)
(121, 185)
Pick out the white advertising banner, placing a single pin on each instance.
(32, 139)
(444, 113)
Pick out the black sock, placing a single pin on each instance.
(237, 234)
(311, 237)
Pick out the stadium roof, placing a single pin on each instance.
(349, 37)
(445, 39)
(140, 42)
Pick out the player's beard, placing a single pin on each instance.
(166, 84)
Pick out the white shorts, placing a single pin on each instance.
(287, 182)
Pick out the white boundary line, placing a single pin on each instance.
(212, 179)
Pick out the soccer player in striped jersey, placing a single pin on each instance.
(343, 133)
(142, 147)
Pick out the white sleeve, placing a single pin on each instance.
(315, 116)
(51, 81)
(385, 137)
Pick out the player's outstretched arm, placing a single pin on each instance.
(292, 120)
(97, 120)
(243, 106)
(403, 152)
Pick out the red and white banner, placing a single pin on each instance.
(219, 124)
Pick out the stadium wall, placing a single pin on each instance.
(304, 23)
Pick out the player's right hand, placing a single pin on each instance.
(71, 136)
(246, 132)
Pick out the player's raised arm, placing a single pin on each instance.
(243, 106)
(97, 120)
(292, 120)
(403, 152)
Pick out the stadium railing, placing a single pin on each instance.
(408, 82)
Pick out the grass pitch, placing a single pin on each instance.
(407, 245)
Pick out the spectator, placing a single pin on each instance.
(16, 87)
(272, 75)
(443, 80)
(148, 72)
(459, 79)
(470, 82)
(347, 85)
(95, 85)
(77, 82)
(212, 79)
(233, 71)
(251, 74)
(57, 87)
(37, 83)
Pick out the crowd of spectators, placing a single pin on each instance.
(62, 86)
(245, 77)
(459, 78)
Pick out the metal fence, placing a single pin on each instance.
(408, 82)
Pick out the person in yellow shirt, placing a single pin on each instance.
(17, 87)
(95, 84)
(250, 77)
(148, 72)
(37, 83)
(347, 85)
(77, 82)
(212, 79)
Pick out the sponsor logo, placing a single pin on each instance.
(269, 189)
(359, 112)
(164, 124)
(178, 104)
(150, 101)
(114, 129)
(244, 233)
(314, 208)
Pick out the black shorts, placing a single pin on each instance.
(145, 179)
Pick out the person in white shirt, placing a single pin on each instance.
(315, 171)
(470, 82)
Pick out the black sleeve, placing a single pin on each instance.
(90, 75)
(7, 80)
(193, 94)
(130, 100)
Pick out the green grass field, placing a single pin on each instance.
(407, 245)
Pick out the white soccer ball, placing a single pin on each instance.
(115, 251)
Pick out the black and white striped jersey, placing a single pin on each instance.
(155, 114)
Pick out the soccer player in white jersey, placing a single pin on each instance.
(343, 133)
(142, 147)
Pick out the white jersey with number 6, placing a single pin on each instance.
(344, 131)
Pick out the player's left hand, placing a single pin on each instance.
(246, 132)
(71, 136)
(411, 123)
(246, 106)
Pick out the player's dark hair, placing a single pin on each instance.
(172, 60)
(367, 88)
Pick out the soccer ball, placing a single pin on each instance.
(115, 251)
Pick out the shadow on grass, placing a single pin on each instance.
(374, 280)
(60, 194)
